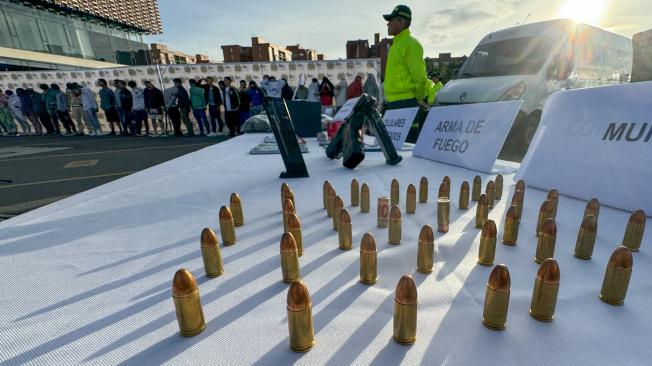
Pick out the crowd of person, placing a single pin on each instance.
(204, 107)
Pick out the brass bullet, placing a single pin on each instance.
(443, 214)
(368, 259)
(464, 196)
(383, 212)
(411, 199)
(405, 310)
(520, 186)
(299, 306)
(210, 252)
(344, 233)
(324, 193)
(394, 192)
(481, 212)
(227, 227)
(487, 251)
(544, 295)
(423, 190)
(187, 303)
(496, 299)
(330, 200)
(545, 213)
(491, 193)
(616, 277)
(586, 238)
(553, 196)
(355, 193)
(289, 258)
(592, 208)
(284, 188)
(499, 187)
(517, 200)
(395, 221)
(426, 250)
(338, 205)
(447, 180)
(443, 190)
(294, 228)
(634, 231)
(236, 210)
(289, 195)
(510, 234)
(288, 208)
(365, 201)
(546, 241)
(477, 188)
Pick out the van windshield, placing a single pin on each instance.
(517, 56)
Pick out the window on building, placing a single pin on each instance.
(28, 33)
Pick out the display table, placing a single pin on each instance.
(88, 279)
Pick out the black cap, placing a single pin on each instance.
(434, 74)
(402, 11)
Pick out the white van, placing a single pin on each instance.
(532, 61)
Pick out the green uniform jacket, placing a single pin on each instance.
(405, 72)
(197, 99)
(433, 89)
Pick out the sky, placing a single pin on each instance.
(202, 26)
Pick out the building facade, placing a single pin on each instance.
(446, 64)
(69, 34)
(162, 55)
(361, 49)
(642, 58)
(263, 51)
(302, 54)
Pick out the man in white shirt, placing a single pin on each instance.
(231, 108)
(89, 104)
(273, 87)
(138, 110)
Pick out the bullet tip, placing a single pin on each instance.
(298, 297)
(518, 196)
(411, 188)
(345, 217)
(477, 180)
(288, 206)
(622, 258)
(553, 194)
(512, 213)
(294, 222)
(406, 291)
(447, 179)
(499, 279)
(285, 186)
(590, 224)
(288, 244)
(499, 178)
(395, 212)
(593, 205)
(339, 202)
(549, 228)
(184, 283)
(225, 213)
(465, 186)
(426, 235)
(208, 237)
(483, 200)
(637, 217)
(364, 188)
(424, 180)
(235, 198)
(394, 182)
(368, 243)
(546, 206)
(489, 229)
(548, 272)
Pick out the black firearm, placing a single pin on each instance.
(347, 143)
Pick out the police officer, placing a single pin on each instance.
(406, 84)
(434, 85)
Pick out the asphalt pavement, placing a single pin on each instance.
(38, 170)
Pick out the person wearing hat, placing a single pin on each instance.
(434, 86)
(406, 84)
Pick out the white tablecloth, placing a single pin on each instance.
(87, 279)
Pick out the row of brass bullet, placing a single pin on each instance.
(359, 197)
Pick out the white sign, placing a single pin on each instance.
(346, 110)
(469, 135)
(595, 142)
(398, 123)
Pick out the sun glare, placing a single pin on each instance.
(585, 11)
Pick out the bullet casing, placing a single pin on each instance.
(344, 233)
(365, 201)
(614, 285)
(227, 227)
(411, 200)
(487, 251)
(517, 200)
(426, 250)
(395, 222)
(423, 190)
(494, 314)
(510, 233)
(477, 188)
(294, 228)
(212, 260)
(368, 260)
(324, 194)
(405, 323)
(299, 312)
(443, 214)
(592, 208)
(190, 315)
(499, 187)
(491, 194)
(545, 213)
(586, 238)
(355, 193)
(482, 212)
(383, 212)
(545, 247)
(395, 193)
(464, 196)
(330, 201)
(338, 205)
(634, 231)
(236, 210)
(544, 301)
(289, 259)
(288, 209)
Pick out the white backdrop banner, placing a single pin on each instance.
(469, 135)
(596, 142)
(398, 123)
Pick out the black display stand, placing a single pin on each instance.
(347, 143)
(286, 138)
